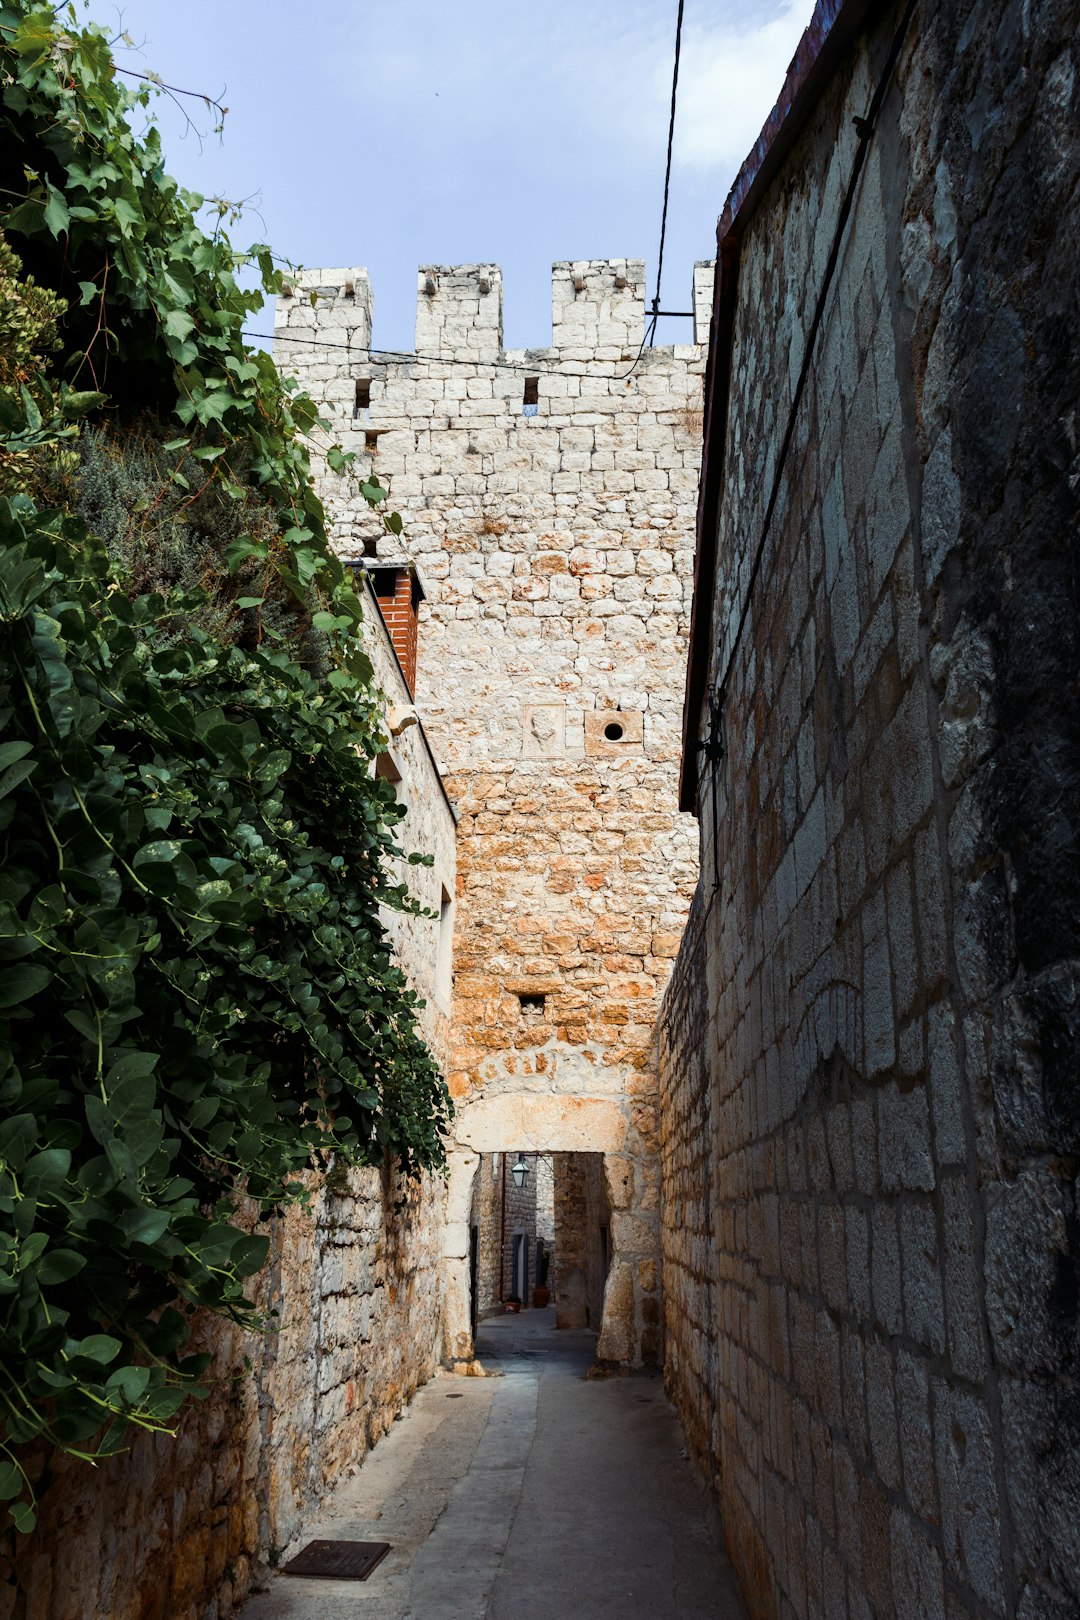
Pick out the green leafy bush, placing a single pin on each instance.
(197, 998)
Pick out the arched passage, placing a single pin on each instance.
(552, 1123)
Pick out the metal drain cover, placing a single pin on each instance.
(338, 1560)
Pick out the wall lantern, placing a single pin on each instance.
(519, 1171)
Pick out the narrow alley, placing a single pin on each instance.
(535, 1494)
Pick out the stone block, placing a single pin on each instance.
(967, 1492)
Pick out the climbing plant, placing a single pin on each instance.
(197, 997)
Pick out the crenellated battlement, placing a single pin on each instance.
(597, 310)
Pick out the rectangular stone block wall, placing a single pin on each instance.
(570, 1282)
(486, 1217)
(870, 1117)
(582, 1209)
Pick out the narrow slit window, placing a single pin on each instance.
(371, 443)
(531, 399)
(363, 399)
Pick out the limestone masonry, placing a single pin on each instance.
(871, 1116)
(548, 499)
(794, 1083)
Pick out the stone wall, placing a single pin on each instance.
(548, 499)
(179, 1529)
(870, 1196)
(485, 1219)
(582, 1214)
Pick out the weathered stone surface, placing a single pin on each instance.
(869, 1099)
(548, 499)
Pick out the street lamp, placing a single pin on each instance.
(519, 1171)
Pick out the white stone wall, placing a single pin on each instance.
(555, 542)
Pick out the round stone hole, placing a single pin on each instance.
(613, 731)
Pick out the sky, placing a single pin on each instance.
(391, 133)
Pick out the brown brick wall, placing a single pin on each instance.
(399, 613)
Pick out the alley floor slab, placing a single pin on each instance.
(538, 1495)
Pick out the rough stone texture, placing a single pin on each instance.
(581, 1214)
(485, 1225)
(869, 1100)
(177, 1529)
(554, 544)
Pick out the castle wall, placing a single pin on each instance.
(871, 1135)
(555, 544)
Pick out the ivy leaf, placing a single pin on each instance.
(57, 217)
(46, 1171)
(24, 1516)
(100, 1347)
(178, 323)
(21, 982)
(249, 1255)
(144, 1225)
(80, 404)
(59, 1265)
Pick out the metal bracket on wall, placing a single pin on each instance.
(714, 748)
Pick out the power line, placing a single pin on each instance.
(667, 170)
(655, 313)
(381, 355)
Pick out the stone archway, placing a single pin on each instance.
(552, 1123)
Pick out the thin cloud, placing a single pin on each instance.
(729, 81)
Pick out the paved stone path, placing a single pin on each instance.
(539, 1495)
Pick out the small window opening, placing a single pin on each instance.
(371, 548)
(384, 581)
(371, 443)
(532, 1006)
(613, 731)
(363, 398)
(531, 398)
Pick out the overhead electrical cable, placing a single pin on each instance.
(667, 170)
(649, 337)
(384, 356)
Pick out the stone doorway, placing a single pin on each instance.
(543, 1242)
(598, 1182)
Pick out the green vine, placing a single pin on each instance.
(197, 996)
